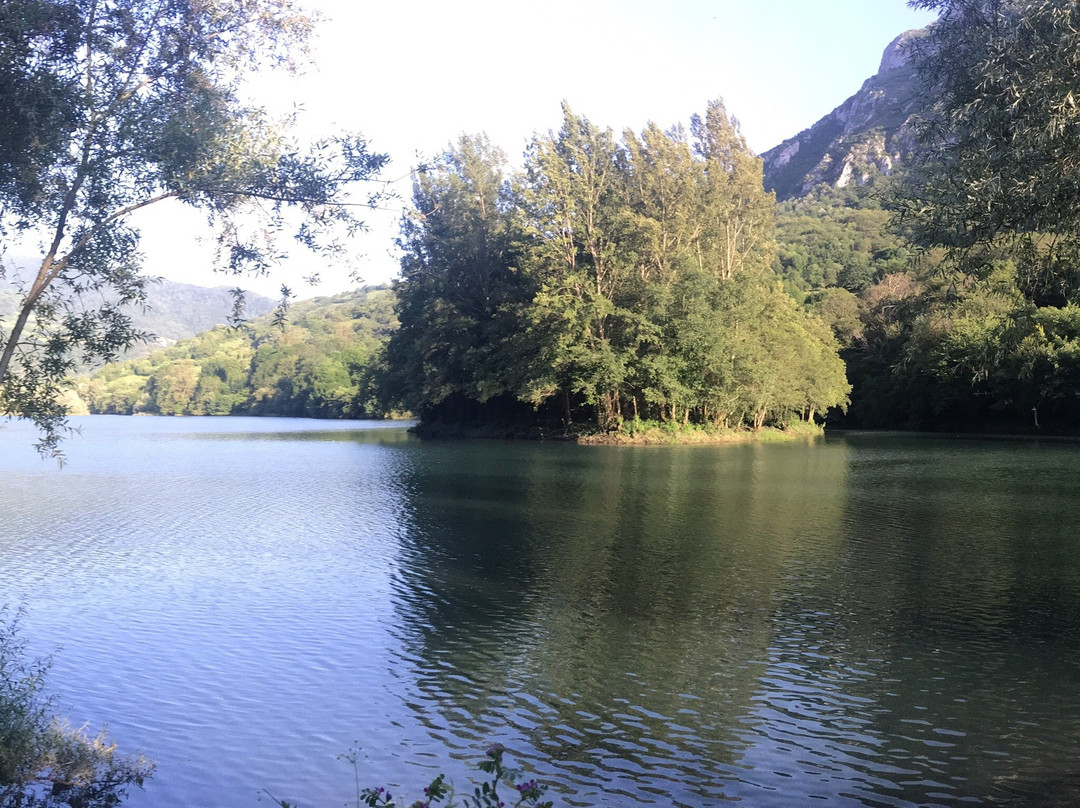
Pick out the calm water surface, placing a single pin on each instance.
(861, 620)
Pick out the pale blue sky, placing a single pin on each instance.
(412, 75)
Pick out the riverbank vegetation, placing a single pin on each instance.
(648, 278)
(44, 761)
(954, 287)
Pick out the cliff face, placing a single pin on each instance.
(868, 134)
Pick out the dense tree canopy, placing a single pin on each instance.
(982, 333)
(458, 297)
(837, 237)
(608, 281)
(108, 106)
(1000, 158)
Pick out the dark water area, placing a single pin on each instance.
(863, 619)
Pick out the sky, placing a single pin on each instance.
(413, 75)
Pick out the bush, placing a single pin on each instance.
(525, 794)
(44, 761)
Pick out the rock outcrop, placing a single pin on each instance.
(867, 135)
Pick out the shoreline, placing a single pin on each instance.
(648, 435)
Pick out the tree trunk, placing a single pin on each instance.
(759, 418)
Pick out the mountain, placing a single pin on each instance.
(173, 311)
(867, 135)
(178, 311)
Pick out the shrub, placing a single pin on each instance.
(502, 781)
(44, 761)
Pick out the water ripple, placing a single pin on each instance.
(869, 621)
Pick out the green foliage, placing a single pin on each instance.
(981, 332)
(1000, 147)
(44, 762)
(837, 237)
(109, 107)
(38, 38)
(619, 281)
(459, 293)
(316, 365)
(500, 786)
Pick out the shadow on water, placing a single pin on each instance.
(937, 661)
(853, 623)
(610, 609)
(975, 612)
(388, 433)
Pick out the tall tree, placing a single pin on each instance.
(576, 213)
(665, 182)
(637, 285)
(1000, 164)
(738, 213)
(123, 104)
(459, 295)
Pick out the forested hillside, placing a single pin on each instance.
(608, 283)
(954, 286)
(926, 346)
(314, 364)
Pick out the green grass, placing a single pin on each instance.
(670, 433)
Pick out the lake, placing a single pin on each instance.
(862, 619)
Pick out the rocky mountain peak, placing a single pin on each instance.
(897, 55)
(867, 135)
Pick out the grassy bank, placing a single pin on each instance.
(631, 433)
(651, 433)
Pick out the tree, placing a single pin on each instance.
(315, 366)
(459, 297)
(122, 104)
(611, 281)
(37, 39)
(996, 189)
(1000, 157)
(739, 229)
(581, 261)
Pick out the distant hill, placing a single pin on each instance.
(313, 365)
(867, 135)
(173, 312)
(179, 311)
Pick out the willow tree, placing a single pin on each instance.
(999, 165)
(113, 106)
(997, 185)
